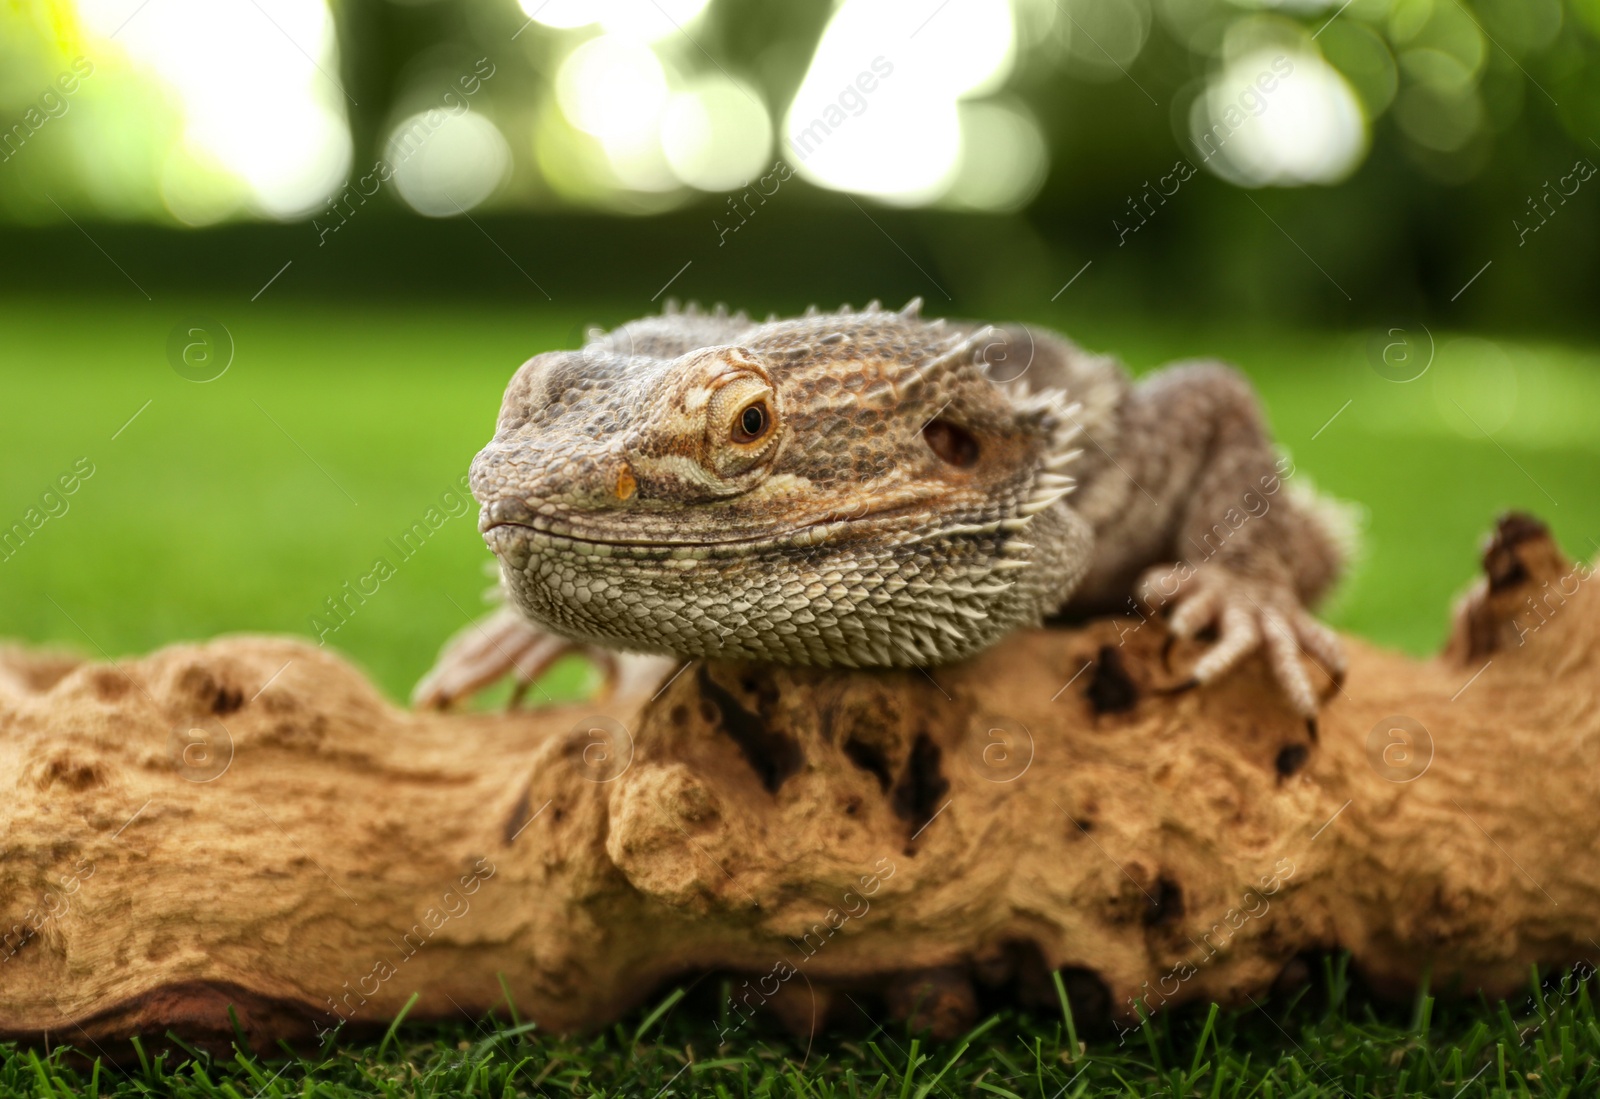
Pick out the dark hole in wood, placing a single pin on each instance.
(773, 756)
(517, 820)
(1501, 562)
(1019, 974)
(921, 787)
(1090, 998)
(1504, 568)
(1167, 904)
(1110, 691)
(227, 701)
(868, 758)
(1291, 757)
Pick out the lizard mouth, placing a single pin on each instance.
(512, 519)
(561, 535)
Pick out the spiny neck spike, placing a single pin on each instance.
(960, 351)
(912, 309)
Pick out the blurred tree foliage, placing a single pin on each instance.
(1474, 111)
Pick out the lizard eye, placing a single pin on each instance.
(752, 423)
(743, 426)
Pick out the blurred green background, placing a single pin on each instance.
(370, 211)
(269, 264)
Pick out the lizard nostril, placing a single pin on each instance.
(626, 485)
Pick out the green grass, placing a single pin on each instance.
(1323, 1042)
(244, 503)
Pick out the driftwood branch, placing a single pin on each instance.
(248, 823)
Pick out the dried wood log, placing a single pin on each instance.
(247, 824)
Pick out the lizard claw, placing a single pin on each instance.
(505, 643)
(1249, 615)
(1179, 688)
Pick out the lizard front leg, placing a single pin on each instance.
(504, 644)
(501, 644)
(1195, 517)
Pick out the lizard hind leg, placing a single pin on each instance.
(500, 645)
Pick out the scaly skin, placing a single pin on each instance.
(870, 488)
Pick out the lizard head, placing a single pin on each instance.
(837, 489)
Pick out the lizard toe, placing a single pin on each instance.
(1160, 586)
(1283, 654)
(1250, 616)
(1239, 635)
(1323, 646)
(1195, 613)
(502, 644)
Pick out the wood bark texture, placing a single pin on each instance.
(246, 829)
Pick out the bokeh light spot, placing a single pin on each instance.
(444, 163)
(877, 110)
(1279, 118)
(258, 91)
(613, 88)
(716, 135)
(1104, 36)
(1003, 158)
(648, 19)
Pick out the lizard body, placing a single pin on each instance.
(872, 488)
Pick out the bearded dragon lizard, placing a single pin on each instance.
(871, 488)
